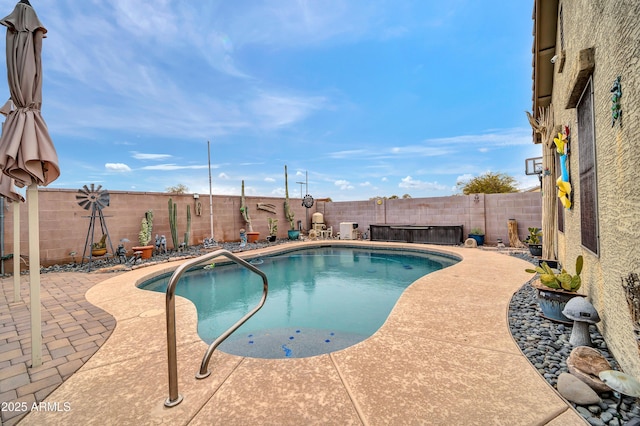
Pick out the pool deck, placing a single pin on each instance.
(444, 356)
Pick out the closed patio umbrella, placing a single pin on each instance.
(7, 183)
(26, 149)
(8, 189)
(27, 153)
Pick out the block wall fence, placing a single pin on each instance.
(64, 224)
(489, 212)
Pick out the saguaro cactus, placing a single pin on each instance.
(188, 233)
(287, 207)
(244, 210)
(173, 223)
(146, 228)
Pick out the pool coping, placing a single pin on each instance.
(426, 364)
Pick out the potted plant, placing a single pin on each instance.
(478, 235)
(252, 236)
(555, 288)
(99, 248)
(293, 233)
(273, 229)
(533, 240)
(144, 236)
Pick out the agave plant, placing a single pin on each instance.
(562, 280)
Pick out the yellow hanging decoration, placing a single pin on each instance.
(560, 142)
(564, 192)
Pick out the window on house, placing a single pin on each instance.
(561, 29)
(587, 171)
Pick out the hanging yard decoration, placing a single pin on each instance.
(307, 201)
(563, 183)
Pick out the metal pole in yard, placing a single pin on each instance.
(210, 191)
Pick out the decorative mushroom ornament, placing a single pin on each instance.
(621, 383)
(582, 313)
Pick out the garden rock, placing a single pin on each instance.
(586, 363)
(470, 243)
(575, 390)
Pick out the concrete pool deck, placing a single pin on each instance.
(444, 356)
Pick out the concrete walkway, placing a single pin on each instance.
(444, 356)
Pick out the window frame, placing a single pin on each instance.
(584, 175)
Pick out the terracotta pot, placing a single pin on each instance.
(252, 237)
(147, 251)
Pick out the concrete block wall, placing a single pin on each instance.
(489, 212)
(502, 207)
(64, 224)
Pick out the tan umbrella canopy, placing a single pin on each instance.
(26, 149)
(8, 189)
(7, 184)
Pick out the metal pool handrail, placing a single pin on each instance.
(174, 397)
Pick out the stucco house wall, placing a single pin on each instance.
(613, 30)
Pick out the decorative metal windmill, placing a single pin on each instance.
(95, 200)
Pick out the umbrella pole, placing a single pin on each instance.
(16, 251)
(34, 275)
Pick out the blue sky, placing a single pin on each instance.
(368, 98)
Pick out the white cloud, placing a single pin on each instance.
(143, 156)
(269, 179)
(421, 150)
(117, 167)
(223, 176)
(146, 19)
(278, 192)
(410, 183)
(502, 137)
(464, 178)
(277, 109)
(343, 184)
(365, 184)
(528, 182)
(348, 154)
(171, 167)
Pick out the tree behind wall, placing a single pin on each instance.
(178, 189)
(489, 183)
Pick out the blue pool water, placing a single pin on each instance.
(320, 299)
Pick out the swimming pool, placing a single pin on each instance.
(320, 299)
